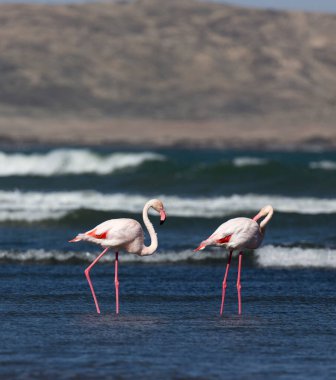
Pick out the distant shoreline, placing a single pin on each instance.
(249, 134)
(169, 60)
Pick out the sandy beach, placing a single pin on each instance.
(255, 134)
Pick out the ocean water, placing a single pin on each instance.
(169, 325)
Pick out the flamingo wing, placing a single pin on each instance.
(244, 232)
(116, 231)
(222, 235)
(233, 233)
(224, 240)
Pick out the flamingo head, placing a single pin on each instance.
(263, 212)
(266, 212)
(157, 205)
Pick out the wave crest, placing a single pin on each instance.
(41, 255)
(266, 257)
(38, 206)
(323, 165)
(70, 161)
(249, 161)
(296, 257)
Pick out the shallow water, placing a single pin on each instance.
(169, 325)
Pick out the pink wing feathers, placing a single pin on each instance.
(99, 232)
(235, 232)
(116, 231)
(98, 235)
(224, 240)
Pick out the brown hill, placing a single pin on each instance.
(176, 59)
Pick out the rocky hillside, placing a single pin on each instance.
(176, 59)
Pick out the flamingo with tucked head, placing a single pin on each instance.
(126, 234)
(240, 234)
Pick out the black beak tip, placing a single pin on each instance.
(161, 222)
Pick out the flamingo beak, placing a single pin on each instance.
(162, 216)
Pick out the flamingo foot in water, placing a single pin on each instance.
(116, 282)
(224, 283)
(239, 284)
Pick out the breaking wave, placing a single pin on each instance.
(324, 165)
(295, 257)
(70, 161)
(249, 161)
(267, 257)
(41, 255)
(38, 206)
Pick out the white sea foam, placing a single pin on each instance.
(249, 161)
(270, 256)
(267, 257)
(39, 255)
(324, 165)
(70, 161)
(36, 206)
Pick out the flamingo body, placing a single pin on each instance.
(118, 234)
(238, 234)
(122, 234)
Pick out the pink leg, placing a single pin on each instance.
(87, 275)
(116, 282)
(238, 283)
(224, 282)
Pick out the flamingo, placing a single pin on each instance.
(124, 234)
(240, 234)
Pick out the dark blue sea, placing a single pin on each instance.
(169, 325)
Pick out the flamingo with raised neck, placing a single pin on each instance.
(122, 234)
(239, 234)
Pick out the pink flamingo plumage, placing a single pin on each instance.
(240, 234)
(126, 234)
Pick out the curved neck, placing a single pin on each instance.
(154, 241)
(264, 222)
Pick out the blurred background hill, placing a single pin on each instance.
(173, 61)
